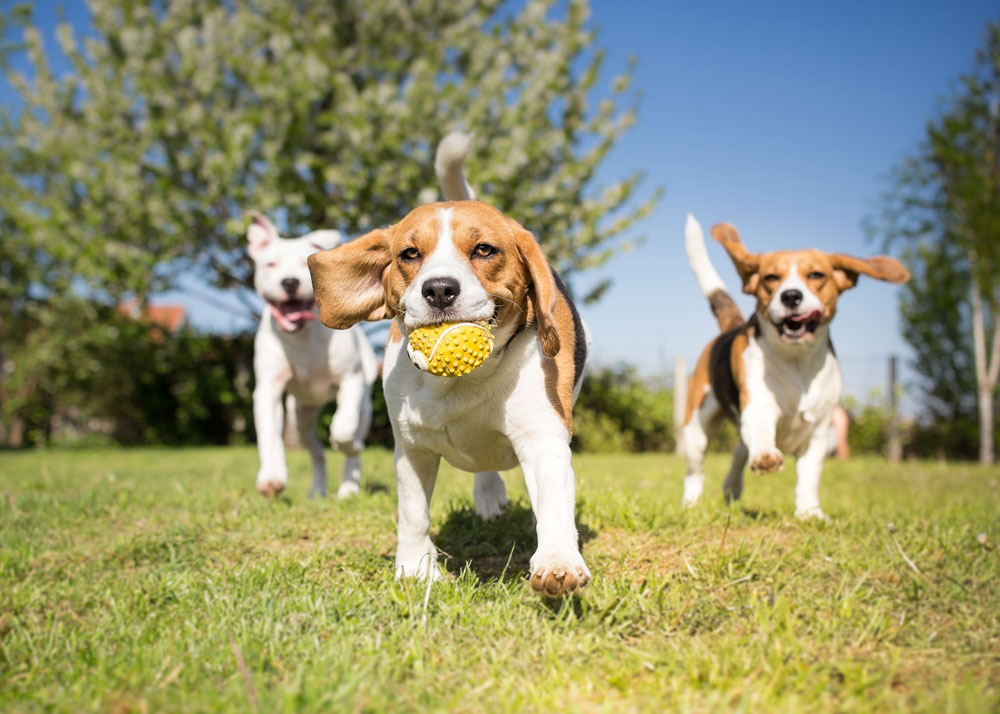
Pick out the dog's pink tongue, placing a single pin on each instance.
(300, 315)
(799, 319)
(290, 319)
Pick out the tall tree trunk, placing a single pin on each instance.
(987, 366)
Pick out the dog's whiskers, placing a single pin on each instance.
(504, 299)
(395, 308)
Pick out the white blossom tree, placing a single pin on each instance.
(179, 116)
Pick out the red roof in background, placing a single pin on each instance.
(169, 317)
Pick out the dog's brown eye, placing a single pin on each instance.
(485, 250)
(816, 275)
(409, 254)
(771, 278)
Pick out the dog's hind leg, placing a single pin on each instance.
(305, 421)
(732, 489)
(490, 495)
(349, 428)
(694, 441)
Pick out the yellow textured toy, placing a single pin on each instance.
(450, 349)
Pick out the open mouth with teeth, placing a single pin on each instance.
(799, 328)
(291, 315)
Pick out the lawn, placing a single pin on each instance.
(158, 580)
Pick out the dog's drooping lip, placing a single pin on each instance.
(291, 315)
(799, 328)
(487, 312)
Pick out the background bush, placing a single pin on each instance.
(95, 374)
(620, 411)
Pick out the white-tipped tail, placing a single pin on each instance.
(694, 242)
(448, 164)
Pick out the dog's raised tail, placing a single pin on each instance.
(451, 152)
(723, 307)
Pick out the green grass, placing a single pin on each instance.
(130, 580)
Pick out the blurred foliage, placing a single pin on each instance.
(92, 372)
(869, 428)
(926, 437)
(944, 210)
(944, 439)
(138, 162)
(620, 411)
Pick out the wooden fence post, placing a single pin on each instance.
(894, 449)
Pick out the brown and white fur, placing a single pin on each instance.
(464, 261)
(775, 375)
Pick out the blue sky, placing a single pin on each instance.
(782, 118)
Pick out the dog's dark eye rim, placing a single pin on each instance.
(771, 277)
(484, 250)
(409, 254)
(816, 275)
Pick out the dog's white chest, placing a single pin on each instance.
(464, 444)
(803, 392)
(462, 421)
(315, 360)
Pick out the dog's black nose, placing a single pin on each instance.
(440, 292)
(791, 298)
(291, 285)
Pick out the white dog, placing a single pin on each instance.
(464, 261)
(294, 353)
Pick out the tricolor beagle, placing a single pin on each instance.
(463, 260)
(774, 375)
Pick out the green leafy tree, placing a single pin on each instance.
(178, 117)
(945, 209)
(140, 162)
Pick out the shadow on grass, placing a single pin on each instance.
(495, 550)
(762, 514)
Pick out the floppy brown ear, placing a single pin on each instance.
(543, 291)
(347, 280)
(847, 268)
(746, 263)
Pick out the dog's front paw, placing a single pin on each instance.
(272, 479)
(556, 573)
(421, 564)
(490, 495)
(693, 485)
(813, 512)
(270, 484)
(766, 462)
(348, 489)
